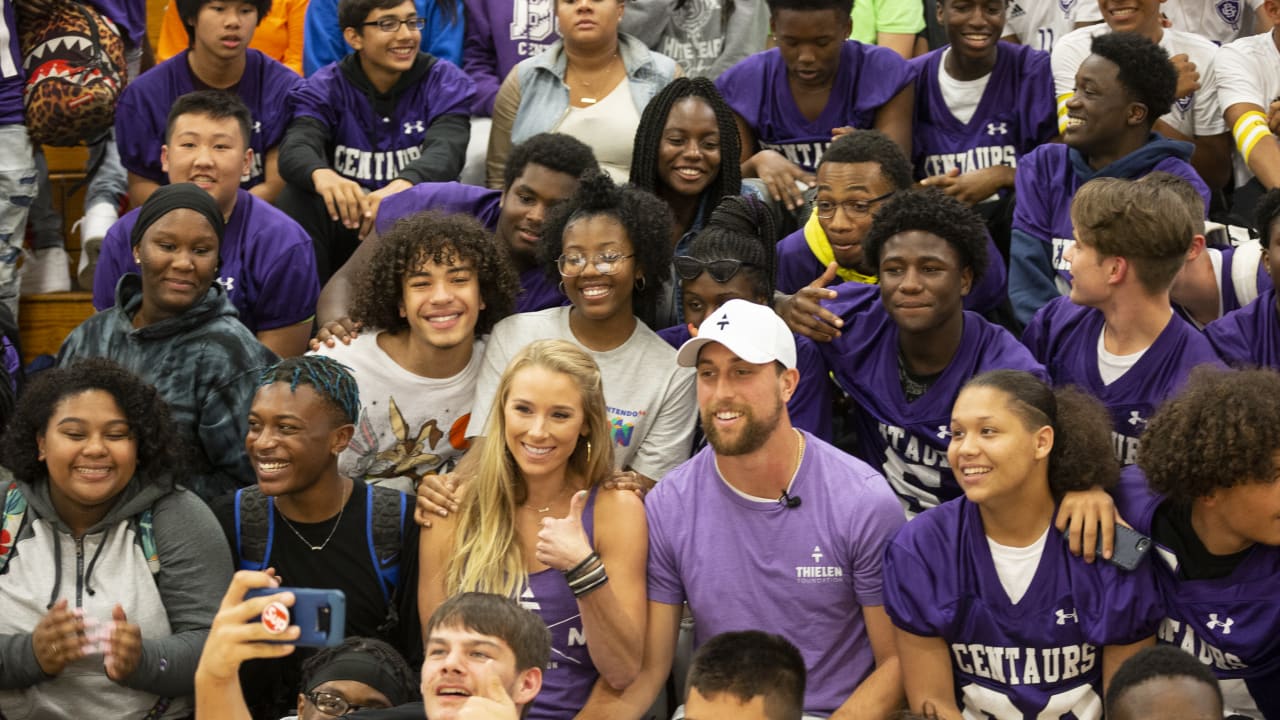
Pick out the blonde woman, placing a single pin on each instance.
(534, 525)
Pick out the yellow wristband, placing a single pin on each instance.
(1062, 111)
(1249, 130)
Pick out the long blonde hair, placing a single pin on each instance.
(487, 555)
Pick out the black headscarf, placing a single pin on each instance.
(175, 197)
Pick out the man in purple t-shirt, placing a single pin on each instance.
(266, 265)
(769, 526)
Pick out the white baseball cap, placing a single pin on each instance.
(751, 331)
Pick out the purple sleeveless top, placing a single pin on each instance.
(569, 676)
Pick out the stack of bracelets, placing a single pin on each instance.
(586, 575)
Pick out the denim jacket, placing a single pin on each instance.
(544, 98)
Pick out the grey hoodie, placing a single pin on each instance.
(173, 608)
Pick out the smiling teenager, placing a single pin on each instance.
(973, 586)
(173, 325)
(219, 59)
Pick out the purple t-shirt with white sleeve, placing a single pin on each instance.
(1015, 115)
(907, 441)
(1065, 336)
(1249, 336)
(366, 147)
(498, 36)
(268, 265)
(756, 89)
(537, 292)
(805, 573)
(1038, 658)
(142, 112)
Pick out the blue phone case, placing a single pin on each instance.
(321, 614)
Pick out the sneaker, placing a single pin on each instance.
(93, 228)
(47, 270)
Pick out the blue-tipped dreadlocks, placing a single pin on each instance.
(329, 377)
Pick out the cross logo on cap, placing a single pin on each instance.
(724, 320)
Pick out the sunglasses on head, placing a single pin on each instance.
(722, 271)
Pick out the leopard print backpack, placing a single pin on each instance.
(75, 66)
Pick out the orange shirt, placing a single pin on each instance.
(279, 35)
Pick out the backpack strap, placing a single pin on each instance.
(385, 508)
(255, 528)
(15, 509)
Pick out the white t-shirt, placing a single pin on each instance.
(1016, 566)
(650, 400)
(1248, 71)
(410, 426)
(1198, 114)
(608, 127)
(1219, 21)
(1040, 23)
(961, 96)
(1112, 367)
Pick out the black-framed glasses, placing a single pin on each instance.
(333, 705)
(853, 208)
(605, 264)
(722, 271)
(391, 24)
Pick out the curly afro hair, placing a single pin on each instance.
(875, 147)
(1222, 430)
(1265, 215)
(160, 453)
(1082, 456)
(1144, 70)
(646, 219)
(933, 212)
(653, 120)
(554, 151)
(435, 237)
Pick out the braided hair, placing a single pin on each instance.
(741, 228)
(644, 169)
(331, 380)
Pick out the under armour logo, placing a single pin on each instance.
(723, 321)
(228, 284)
(1214, 622)
(997, 128)
(413, 127)
(944, 432)
(1136, 419)
(816, 554)
(1063, 615)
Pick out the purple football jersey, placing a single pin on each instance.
(143, 111)
(807, 571)
(1064, 336)
(757, 90)
(1231, 624)
(1038, 658)
(369, 149)
(12, 76)
(810, 405)
(537, 292)
(1015, 115)
(499, 35)
(907, 441)
(798, 266)
(569, 676)
(268, 265)
(1248, 336)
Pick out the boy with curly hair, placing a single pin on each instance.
(429, 296)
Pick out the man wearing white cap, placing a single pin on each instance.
(770, 527)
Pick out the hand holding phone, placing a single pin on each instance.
(319, 614)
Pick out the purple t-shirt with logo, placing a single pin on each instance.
(499, 35)
(268, 265)
(1041, 657)
(1249, 336)
(143, 111)
(907, 441)
(1064, 336)
(537, 292)
(757, 90)
(369, 149)
(804, 573)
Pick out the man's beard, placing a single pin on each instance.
(751, 437)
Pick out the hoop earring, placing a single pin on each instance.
(588, 453)
(640, 283)
(560, 287)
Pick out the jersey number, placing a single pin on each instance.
(983, 703)
(911, 480)
(1046, 39)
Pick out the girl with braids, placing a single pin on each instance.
(995, 616)
(535, 525)
(733, 258)
(91, 626)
